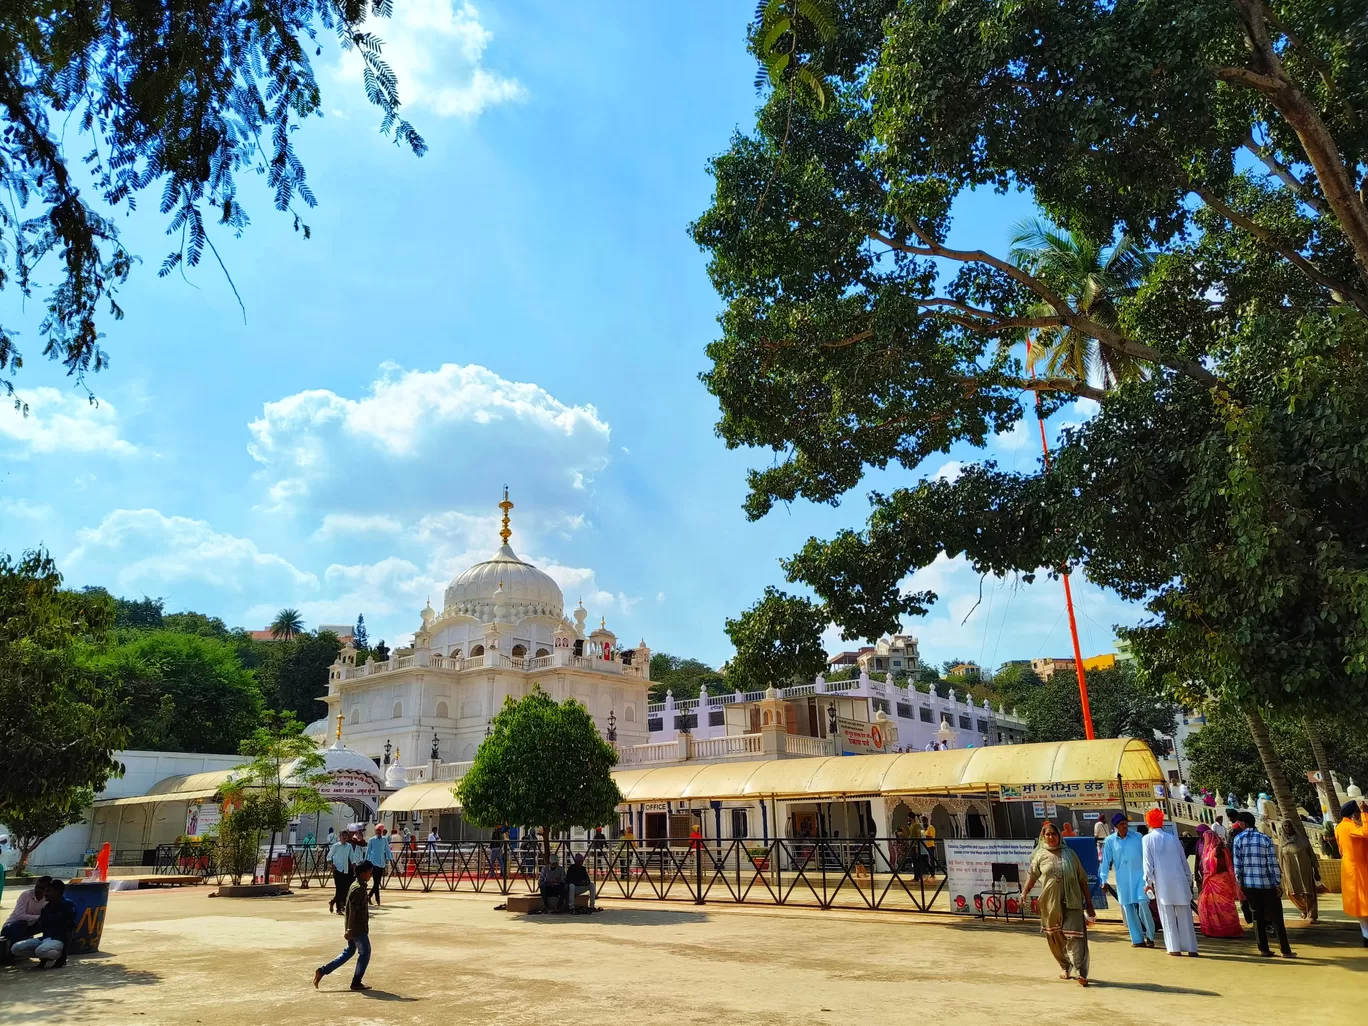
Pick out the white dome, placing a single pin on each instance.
(526, 590)
(339, 757)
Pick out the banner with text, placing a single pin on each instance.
(1085, 792)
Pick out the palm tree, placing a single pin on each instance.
(1094, 279)
(287, 624)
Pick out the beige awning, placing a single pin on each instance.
(184, 787)
(421, 798)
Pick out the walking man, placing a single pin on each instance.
(1169, 880)
(1255, 862)
(378, 854)
(340, 855)
(356, 930)
(1123, 852)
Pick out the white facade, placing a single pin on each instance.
(502, 631)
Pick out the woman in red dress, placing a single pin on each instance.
(1216, 906)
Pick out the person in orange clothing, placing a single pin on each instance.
(1352, 837)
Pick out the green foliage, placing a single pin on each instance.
(777, 642)
(1120, 706)
(179, 692)
(544, 764)
(292, 675)
(1222, 757)
(197, 623)
(58, 728)
(185, 95)
(684, 677)
(779, 24)
(32, 824)
(286, 625)
(360, 639)
(1016, 683)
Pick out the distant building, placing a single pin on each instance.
(969, 671)
(1106, 661)
(1047, 667)
(843, 659)
(898, 654)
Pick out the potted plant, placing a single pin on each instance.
(759, 858)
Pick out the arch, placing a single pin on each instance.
(467, 753)
(902, 815)
(355, 716)
(768, 716)
(476, 650)
(630, 714)
(943, 822)
(443, 713)
(519, 651)
(455, 654)
(542, 653)
(398, 710)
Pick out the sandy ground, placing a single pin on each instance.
(179, 957)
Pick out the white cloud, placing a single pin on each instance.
(339, 525)
(62, 422)
(627, 604)
(22, 509)
(134, 548)
(660, 596)
(949, 471)
(437, 49)
(419, 437)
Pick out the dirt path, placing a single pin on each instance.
(179, 957)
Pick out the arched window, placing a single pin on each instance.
(768, 716)
(519, 651)
(455, 654)
(478, 650)
(630, 715)
(442, 711)
(398, 710)
(542, 653)
(355, 717)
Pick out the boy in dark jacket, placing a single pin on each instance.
(356, 930)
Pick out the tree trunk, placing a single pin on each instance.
(1277, 776)
(546, 845)
(1313, 734)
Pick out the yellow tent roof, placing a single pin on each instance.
(421, 798)
(184, 787)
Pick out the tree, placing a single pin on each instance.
(185, 99)
(180, 692)
(684, 677)
(544, 764)
(776, 642)
(197, 623)
(278, 784)
(1120, 708)
(360, 640)
(1016, 683)
(287, 624)
(32, 825)
(1218, 487)
(58, 728)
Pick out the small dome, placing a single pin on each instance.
(340, 757)
(526, 591)
(318, 729)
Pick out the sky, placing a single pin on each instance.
(521, 306)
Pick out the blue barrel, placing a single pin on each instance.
(91, 900)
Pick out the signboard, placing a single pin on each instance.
(974, 866)
(1038, 810)
(1051, 810)
(343, 784)
(1085, 792)
(202, 819)
(1314, 777)
(859, 737)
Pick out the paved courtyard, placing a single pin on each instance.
(178, 957)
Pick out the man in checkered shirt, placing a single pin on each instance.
(1254, 860)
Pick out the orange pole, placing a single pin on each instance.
(1068, 591)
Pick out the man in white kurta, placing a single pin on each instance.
(1169, 880)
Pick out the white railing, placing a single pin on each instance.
(724, 747)
(686, 705)
(1192, 812)
(453, 771)
(415, 774)
(797, 744)
(542, 662)
(405, 662)
(598, 665)
(434, 662)
(654, 707)
(472, 662)
(639, 755)
(798, 690)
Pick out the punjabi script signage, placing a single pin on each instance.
(1085, 792)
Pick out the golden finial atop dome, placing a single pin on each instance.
(505, 533)
(339, 726)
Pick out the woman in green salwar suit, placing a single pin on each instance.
(1065, 903)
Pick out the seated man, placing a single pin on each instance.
(23, 921)
(56, 923)
(577, 881)
(552, 885)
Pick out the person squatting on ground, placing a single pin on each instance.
(1169, 881)
(1065, 902)
(356, 930)
(56, 924)
(1121, 851)
(23, 918)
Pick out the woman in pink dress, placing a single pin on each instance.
(1216, 905)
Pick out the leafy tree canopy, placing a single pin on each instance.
(58, 728)
(776, 642)
(1121, 707)
(180, 692)
(684, 677)
(32, 824)
(181, 94)
(544, 764)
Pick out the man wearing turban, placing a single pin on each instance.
(1169, 880)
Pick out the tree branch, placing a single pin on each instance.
(1342, 291)
(1284, 173)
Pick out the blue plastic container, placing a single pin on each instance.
(91, 900)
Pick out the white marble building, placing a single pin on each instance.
(501, 631)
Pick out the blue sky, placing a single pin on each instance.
(521, 305)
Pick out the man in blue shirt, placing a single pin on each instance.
(340, 855)
(1123, 852)
(378, 854)
(1255, 863)
(56, 924)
